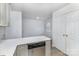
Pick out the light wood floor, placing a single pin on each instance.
(41, 52)
(56, 52)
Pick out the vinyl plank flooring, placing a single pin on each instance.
(41, 52)
(56, 52)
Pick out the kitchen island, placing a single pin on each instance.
(8, 47)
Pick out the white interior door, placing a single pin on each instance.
(59, 29)
(73, 33)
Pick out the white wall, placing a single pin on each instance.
(2, 31)
(14, 30)
(32, 27)
(25, 27)
(48, 27)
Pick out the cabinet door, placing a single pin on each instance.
(22, 50)
(73, 33)
(40, 51)
(4, 14)
(59, 28)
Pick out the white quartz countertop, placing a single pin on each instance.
(8, 47)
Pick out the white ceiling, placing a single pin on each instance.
(37, 9)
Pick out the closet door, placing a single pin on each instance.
(72, 30)
(59, 29)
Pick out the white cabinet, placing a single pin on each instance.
(4, 14)
(40, 51)
(66, 31)
(21, 50)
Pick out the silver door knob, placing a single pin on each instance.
(66, 35)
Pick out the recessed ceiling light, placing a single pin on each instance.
(37, 17)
